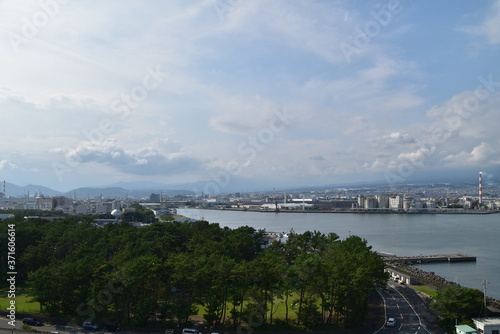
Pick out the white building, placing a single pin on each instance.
(487, 325)
(395, 202)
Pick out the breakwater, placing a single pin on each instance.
(432, 258)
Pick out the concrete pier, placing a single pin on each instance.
(431, 258)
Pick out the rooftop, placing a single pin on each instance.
(488, 320)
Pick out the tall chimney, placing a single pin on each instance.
(480, 188)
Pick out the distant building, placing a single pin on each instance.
(370, 203)
(336, 204)
(395, 202)
(407, 202)
(383, 201)
(83, 209)
(45, 204)
(155, 198)
(361, 201)
(431, 204)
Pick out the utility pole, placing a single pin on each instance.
(484, 282)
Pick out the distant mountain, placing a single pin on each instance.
(139, 185)
(122, 192)
(132, 189)
(31, 190)
(93, 192)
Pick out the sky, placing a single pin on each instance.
(246, 94)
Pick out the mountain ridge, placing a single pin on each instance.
(14, 190)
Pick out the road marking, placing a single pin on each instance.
(411, 306)
(385, 312)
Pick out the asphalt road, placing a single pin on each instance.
(404, 305)
(6, 328)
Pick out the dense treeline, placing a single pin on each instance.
(171, 271)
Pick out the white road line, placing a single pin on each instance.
(418, 317)
(385, 313)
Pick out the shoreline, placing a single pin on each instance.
(432, 280)
(358, 211)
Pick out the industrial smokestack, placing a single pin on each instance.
(480, 188)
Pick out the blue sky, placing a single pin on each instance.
(245, 94)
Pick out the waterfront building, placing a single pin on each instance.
(407, 202)
(370, 203)
(383, 201)
(361, 201)
(431, 204)
(488, 325)
(419, 205)
(395, 202)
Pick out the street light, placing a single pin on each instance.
(484, 282)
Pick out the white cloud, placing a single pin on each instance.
(5, 164)
(398, 137)
(148, 160)
(484, 154)
(489, 28)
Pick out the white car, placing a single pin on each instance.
(190, 331)
(390, 322)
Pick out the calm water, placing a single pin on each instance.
(476, 235)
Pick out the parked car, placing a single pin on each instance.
(190, 331)
(32, 322)
(90, 326)
(391, 322)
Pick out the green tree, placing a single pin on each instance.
(213, 277)
(182, 284)
(457, 304)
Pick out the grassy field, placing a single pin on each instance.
(279, 310)
(23, 303)
(427, 290)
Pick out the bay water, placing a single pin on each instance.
(400, 234)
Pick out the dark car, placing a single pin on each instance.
(90, 326)
(32, 322)
(112, 327)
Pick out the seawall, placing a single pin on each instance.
(426, 277)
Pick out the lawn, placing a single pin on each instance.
(23, 303)
(279, 309)
(426, 289)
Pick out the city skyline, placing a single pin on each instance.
(248, 94)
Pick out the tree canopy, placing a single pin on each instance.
(173, 270)
(457, 304)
